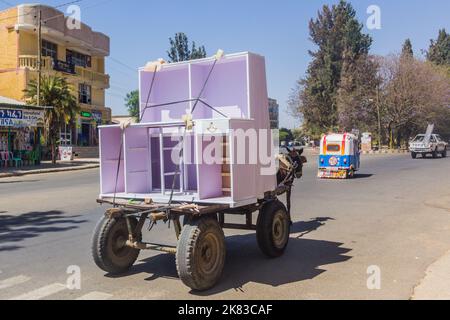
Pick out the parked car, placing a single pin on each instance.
(435, 145)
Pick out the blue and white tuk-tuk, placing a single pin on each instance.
(339, 156)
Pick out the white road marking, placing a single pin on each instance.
(95, 295)
(41, 292)
(6, 283)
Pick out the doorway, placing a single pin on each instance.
(85, 134)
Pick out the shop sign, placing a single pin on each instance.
(97, 116)
(65, 153)
(21, 118)
(86, 114)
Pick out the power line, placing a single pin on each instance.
(123, 64)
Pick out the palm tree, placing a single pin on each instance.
(55, 92)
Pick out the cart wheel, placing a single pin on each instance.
(272, 229)
(108, 245)
(201, 253)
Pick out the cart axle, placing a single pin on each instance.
(151, 246)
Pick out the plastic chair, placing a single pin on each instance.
(33, 157)
(16, 160)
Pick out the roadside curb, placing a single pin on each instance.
(48, 170)
(388, 151)
(372, 152)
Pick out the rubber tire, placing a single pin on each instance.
(413, 155)
(264, 229)
(188, 249)
(444, 153)
(102, 252)
(435, 154)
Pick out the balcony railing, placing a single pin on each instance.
(95, 78)
(31, 62)
(92, 76)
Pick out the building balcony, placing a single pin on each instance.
(96, 79)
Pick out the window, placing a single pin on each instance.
(84, 93)
(49, 49)
(333, 147)
(78, 59)
(419, 138)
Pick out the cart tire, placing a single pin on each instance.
(108, 245)
(272, 229)
(201, 253)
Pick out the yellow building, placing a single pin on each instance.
(76, 54)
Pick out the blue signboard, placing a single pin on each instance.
(10, 114)
(21, 118)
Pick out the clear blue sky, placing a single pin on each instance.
(139, 32)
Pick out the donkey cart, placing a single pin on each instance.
(143, 181)
(200, 250)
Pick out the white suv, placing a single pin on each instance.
(434, 147)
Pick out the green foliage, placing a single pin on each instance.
(341, 43)
(407, 50)
(180, 51)
(439, 50)
(285, 135)
(132, 103)
(55, 92)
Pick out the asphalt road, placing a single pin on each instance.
(391, 216)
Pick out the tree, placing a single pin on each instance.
(407, 50)
(339, 38)
(439, 50)
(357, 95)
(179, 49)
(55, 92)
(132, 104)
(414, 93)
(285, 135)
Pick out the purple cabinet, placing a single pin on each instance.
(227, 155)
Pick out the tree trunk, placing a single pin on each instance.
(52, 146)
(391, 137)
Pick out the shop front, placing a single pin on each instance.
(20, 132)
(87, 128)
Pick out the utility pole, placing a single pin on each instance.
(39, 60)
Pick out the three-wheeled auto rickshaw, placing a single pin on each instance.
(339, 156)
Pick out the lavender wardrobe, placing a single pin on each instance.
(237, 90)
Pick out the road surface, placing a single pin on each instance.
(393, 218)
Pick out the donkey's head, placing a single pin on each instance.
(291, 166)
